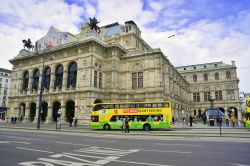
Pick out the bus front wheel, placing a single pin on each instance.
(147, 127)
(106, 127)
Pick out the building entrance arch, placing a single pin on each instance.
(232, 111)
(222, 109)
(56, 107)
(98, 101)
(70, 109)
(21, 113)
(44, 111)
(32, 111)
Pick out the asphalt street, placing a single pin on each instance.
(48, 148)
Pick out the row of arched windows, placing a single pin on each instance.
(71, 80)
(216, 76)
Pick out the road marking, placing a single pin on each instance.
(238, 164)
(106, 151)
(166, 151)
(66, 143)
(36, 150)
(4, 142)
(23, 138)
(132, 162)
(98, 140)
(27, 143)
(177, 144)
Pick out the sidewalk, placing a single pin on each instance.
(197, 130)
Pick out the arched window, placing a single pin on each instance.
(35, 79)
(216, 76)
(72, 75)
(228, 75)
(205, 77)
(195, 78)
(59, 76)
(25, 80)
(46, 81)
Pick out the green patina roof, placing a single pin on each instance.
(205, 66)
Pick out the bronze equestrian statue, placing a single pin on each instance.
(93, 24)
(28, 44)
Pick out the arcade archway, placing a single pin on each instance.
(32, 111)
(44, 111)
(70, 109)
(56, 107)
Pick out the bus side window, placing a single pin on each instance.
(160, 105)
(113, 119)
(95, 118)
(154, 105)
(117, 106)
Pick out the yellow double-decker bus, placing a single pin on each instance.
(248, 112)
(141, 115)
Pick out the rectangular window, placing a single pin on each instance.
(100, 80)
(95, 79)
(206, 96)
(218, 95)
(137, 80)
(140, 80)
(196, 97)
(230, 95)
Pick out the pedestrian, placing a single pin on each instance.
(190, 120)
(21, 118)
(58, 122)
(217, 120)
(220, 121)
(12, 120)
(173, 119)
(123, 126)
(70, 121)
(75, 121)
(227, 121)
(233, 118)
(15, 119)
(126, 125)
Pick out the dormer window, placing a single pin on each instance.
(215, 65)
(184, 68)
(194, 67)
(205, 66)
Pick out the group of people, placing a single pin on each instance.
(125, 125)
(13, 120)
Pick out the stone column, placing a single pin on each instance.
(30, 82)
(63, 109)
(40, 79)
(27, 113)
(50, 113)
(52, 81)
(37, 111)
(65, 77)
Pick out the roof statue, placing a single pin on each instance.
(28, 44)
(93, 24)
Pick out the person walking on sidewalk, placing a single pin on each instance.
(126, 125)
(190, 120)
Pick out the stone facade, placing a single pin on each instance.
(5, 81)
(216, 81)
(114, 65)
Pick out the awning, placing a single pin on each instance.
(3, 109)
(214, 112)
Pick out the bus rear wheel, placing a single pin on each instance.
(106, 127)
(147, 127)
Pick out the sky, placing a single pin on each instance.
(205, 30)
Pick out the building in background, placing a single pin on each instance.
(216, 81)
(5, 81)
(113, 65)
